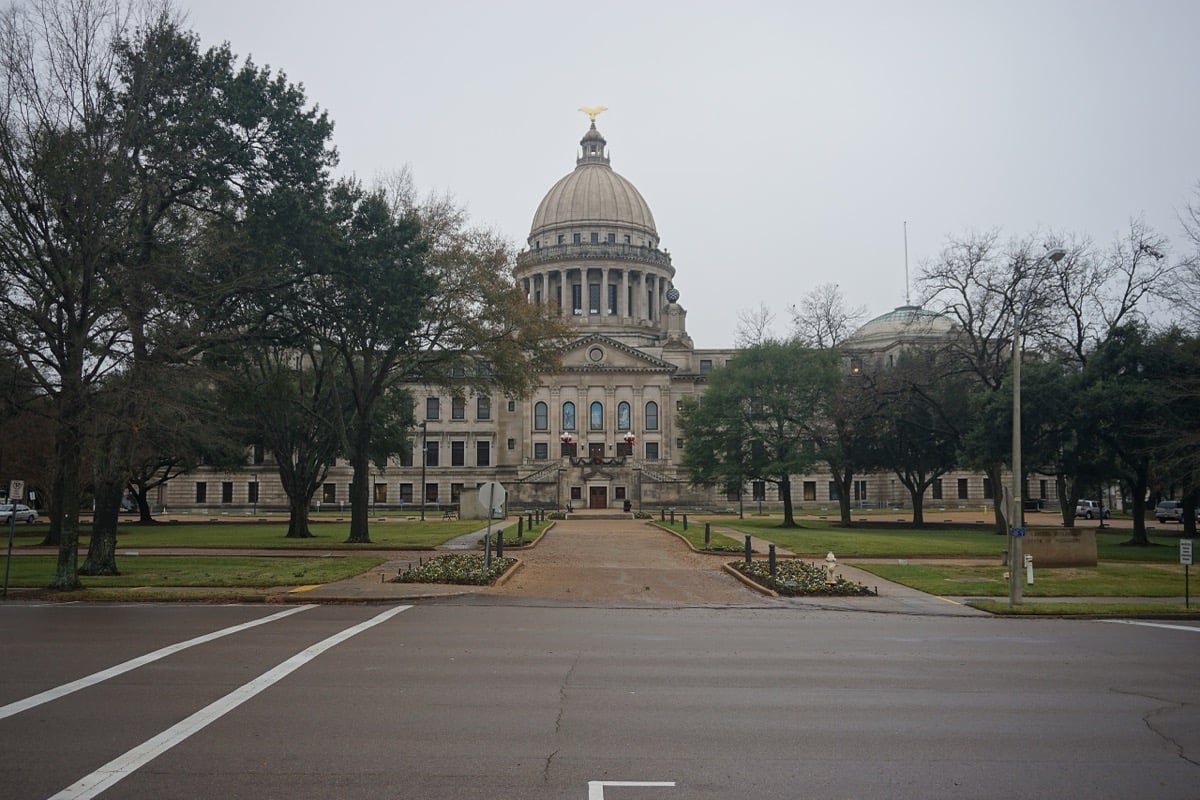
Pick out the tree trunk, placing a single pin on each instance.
(1140, 483)
(844, 480)
(298, 504)
(102, 548)
(993, 475)
(67, 451)
(360, 491)
(785, 492)
(145, 514)
(917, 495)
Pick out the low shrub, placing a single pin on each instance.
(794, 577)
(458, 568)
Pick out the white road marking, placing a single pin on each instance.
(125, 765)
(596, 788)
(1189, 628)
(96, 677)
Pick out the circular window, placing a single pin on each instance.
(596, 354)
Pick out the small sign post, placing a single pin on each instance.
(1185, 558)
(16, 492)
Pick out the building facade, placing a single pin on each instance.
(600, 432)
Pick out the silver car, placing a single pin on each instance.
(23, 513)
(1090, 509)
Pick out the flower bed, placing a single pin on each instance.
(464, 568)
(794, 577)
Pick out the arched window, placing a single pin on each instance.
(652, 416)
(622, 416)
(596, 416)
(541, 416)
(568, 421)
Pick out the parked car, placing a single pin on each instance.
(23, 513)
(1090, 509)
(1169, 511)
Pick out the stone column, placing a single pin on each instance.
(623, 301)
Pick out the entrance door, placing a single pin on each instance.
(596, 452)
(597, 497)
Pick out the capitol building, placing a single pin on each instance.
(601, 431)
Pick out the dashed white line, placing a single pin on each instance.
(96, 677)
(596, 788)
(128, 763)
(1189, 628)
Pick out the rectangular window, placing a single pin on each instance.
(595, 238)
(458, 454)
(576, 298)
(679, 442)
(962, 489)
(810, 491)
(1042, 489)
(593, 298)
(612, 298)
(576, 492)
(576, 238)
(431, 493)
(456, 492)
(541, 451)
(652, 451)
(937, 488)
(226, 491)
(561, 238)
(406, 454)
(835, 491)
(431, 454)
(458, 408)
(329, 493)
(734, 495)
(705, 366)
(433, 408)
(619, 492)
(260, 454)
(483, 453)
(612, 238)
(252, 492)
(380, 493)
(627, 239)
(483, 407)
(624, 449)
(987, 488)
(760, 490)
(512, 406)
(860, 491)
(406, 493)
(201, 491)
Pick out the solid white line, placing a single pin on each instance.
(125, 765)
(96, 677)
(596, 788)
(1189, 628)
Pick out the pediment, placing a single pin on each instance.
(599, 353)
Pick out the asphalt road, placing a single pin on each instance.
(486, 697)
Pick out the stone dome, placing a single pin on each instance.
(905, 324)
(594, 196)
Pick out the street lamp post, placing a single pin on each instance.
(1016, 522)
(424, 461)
(255, 494)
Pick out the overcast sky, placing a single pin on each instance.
(780, 145)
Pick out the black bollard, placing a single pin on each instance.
(672, 516)
(500, 544)
(685, 522)
(771, 559)
(520, 526)
(707, 532)
(747, 548)
(662, 514)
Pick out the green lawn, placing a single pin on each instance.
(393, 534)
(1118, 579)
(35, 572)
(815, 538)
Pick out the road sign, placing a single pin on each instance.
(491, 497)
(16, 491)
(1016, 531)
(1185, 551)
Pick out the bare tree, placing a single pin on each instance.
(755, 326)
(823, 320)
